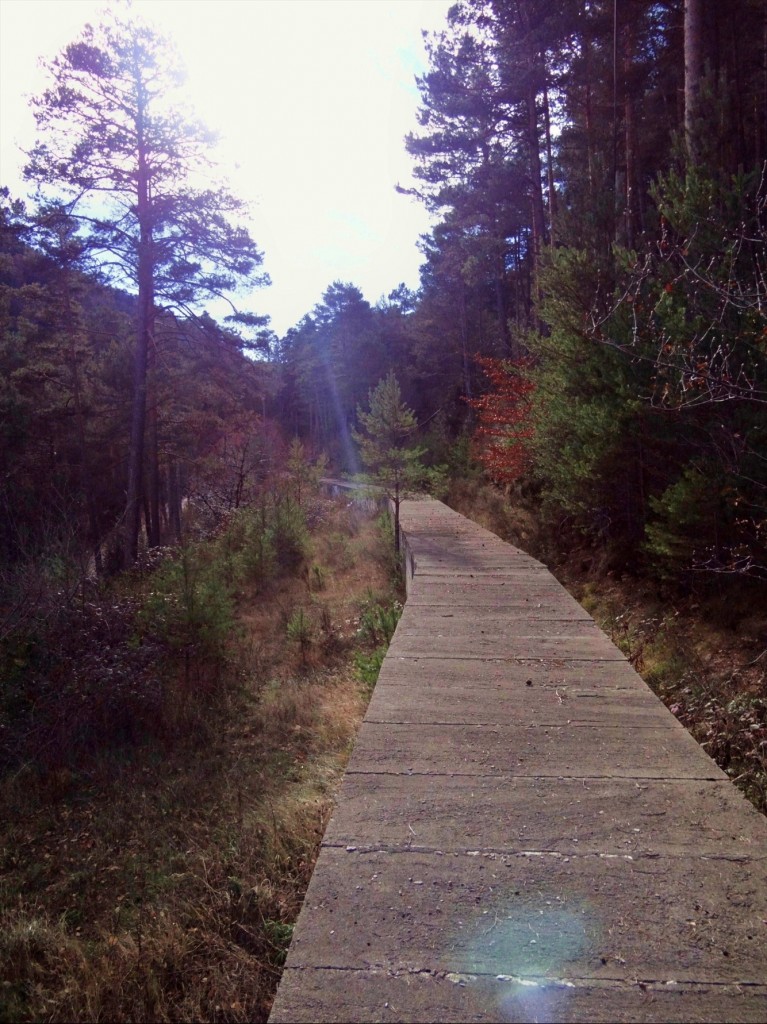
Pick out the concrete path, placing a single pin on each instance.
(524, 833)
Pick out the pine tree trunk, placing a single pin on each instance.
(500, 305)
(534, 154)
(761, 114)
(693, 73)
(589, 113)
(85, 469)
(465, 344)
(397, 501)
(630, 136)
(174, 501)
(549, 164)
(143, 341)
(536, 191)
(138, 425)
(153, 462)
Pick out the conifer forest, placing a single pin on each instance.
(588, 342)
(590, 322)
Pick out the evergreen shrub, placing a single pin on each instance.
(688, 518)
(289, 533)
(190, 606)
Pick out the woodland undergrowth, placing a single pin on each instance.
(171, 745)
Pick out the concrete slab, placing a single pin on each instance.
(432, 571)
(575, 751)
(490, 583)
(516, 606)
(599, 917)
(570, 816)
(488, 645)
(557, 673)
(480, 593)
(464, 692)
(449, 550)
(489, 617)
(422, 997)
(547, 706)
(450, 628)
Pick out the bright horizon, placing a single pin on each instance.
(312, 99)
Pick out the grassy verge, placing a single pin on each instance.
(161, 880)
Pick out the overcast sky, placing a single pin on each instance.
(312, 99)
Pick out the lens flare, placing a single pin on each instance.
(530, 941)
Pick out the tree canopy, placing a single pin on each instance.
(591, 306)
(119, 155)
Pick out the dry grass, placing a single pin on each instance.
(164, 886)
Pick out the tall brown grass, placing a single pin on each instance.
(160, 880)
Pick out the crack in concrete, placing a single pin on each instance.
(574, 854)
(540, 980)
(493, 726)
(496, 659)
(488, 852)
(558, 776)
(631, 781)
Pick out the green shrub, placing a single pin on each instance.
(289, 534)
(304, 474)
(317, 578)
(340, 554)
(278, 935)
(378, 620)
(190, 606)
(299, 630)
(388, 555)
(260, 556)
(436, 481)
(461, 464)
(369, 665)
(686, 520)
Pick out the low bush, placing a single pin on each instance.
(369, 665)
(76, 682)
(379, 616)
(189, 605)
(299, 630)
(388, 555)
(290, 535)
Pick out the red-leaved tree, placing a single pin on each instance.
(502, 437)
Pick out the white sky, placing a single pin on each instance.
(312, 99)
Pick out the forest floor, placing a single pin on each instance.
(703, 653)
(162, 884)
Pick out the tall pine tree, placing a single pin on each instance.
(127, 161)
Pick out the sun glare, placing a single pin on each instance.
(311, 101)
